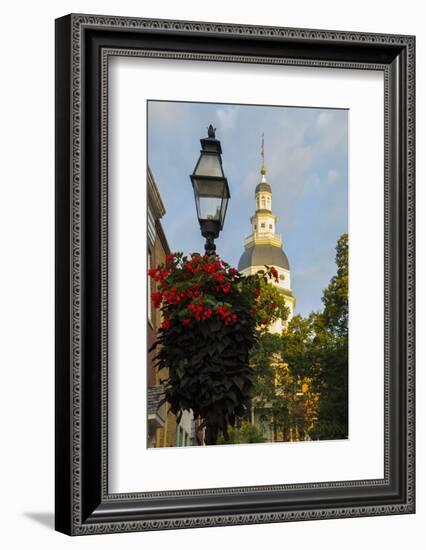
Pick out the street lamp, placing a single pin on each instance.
(211, 189)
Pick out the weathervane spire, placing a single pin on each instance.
(262, 154)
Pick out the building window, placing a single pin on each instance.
(263, 202)
(151, 227)
(282, 277)
(255, 227)
(262, 225)
(270, 226)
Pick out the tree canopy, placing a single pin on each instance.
(301, 376)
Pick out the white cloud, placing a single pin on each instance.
(322, 119)
(167, 114)
(249, 184)
(227, 117)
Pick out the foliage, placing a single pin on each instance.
(211, 314)
(332, 378)
(335, 299)
(265, 359)
(301, 376)
(245, 433)
(283, 394)
(270, 300)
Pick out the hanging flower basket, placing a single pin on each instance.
(211, 319)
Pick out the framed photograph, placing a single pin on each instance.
(234, 274)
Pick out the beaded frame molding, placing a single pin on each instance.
(84, 44)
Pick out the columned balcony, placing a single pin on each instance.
(274, 239)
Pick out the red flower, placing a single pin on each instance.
(178, 291)
(156, 299)
(165, 324)
(190, 267)
(265, 322)
(218, 277)
(257, 293)
(207, 313)
(226, 315)
(274, 273)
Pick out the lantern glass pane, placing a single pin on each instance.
(209, 188)
(209, 208)
(209, 165)
(223, 211)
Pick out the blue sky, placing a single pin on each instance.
(306, 157)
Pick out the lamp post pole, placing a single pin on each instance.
(211, 193)
(210, 236)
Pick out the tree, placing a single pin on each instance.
(282, 383)
(332, 347)
(335, 298)
(301, 376)
(265, 359)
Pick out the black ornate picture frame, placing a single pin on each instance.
(84, 43)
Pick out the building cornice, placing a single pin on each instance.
(154, 196)
(162, 236)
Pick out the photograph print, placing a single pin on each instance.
(248, 274)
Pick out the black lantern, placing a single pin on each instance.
(211, 189)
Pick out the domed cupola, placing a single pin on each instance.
(263, 254)
(264, 245)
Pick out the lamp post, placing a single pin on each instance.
(211, 190)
